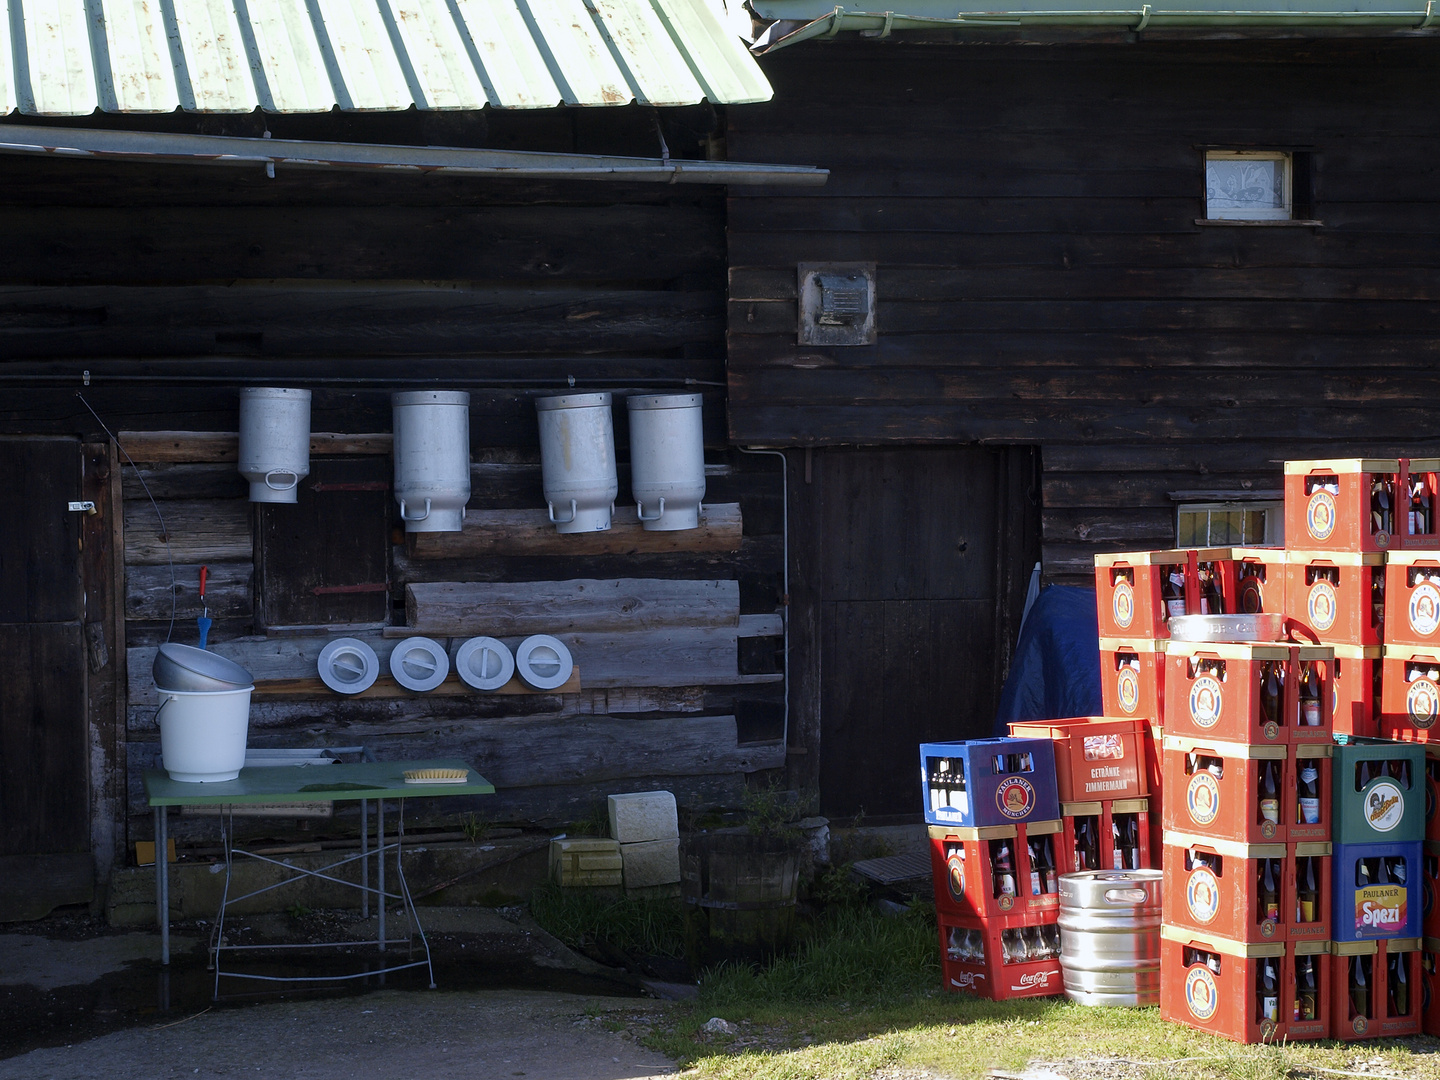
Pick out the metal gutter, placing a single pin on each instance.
(159, 147)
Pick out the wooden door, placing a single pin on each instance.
(44, 779)
(909, 568)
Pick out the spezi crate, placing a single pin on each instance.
(1003, 872)
(1337, 596)
(1378, 792)
(1096, 757)
(1378, 892)
(989, 782)
(1410, 693)
(1132, 678)
(1412, 598)
(1340, 505)
(1378, 991)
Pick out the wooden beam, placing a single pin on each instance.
(190, 446)
(199, 531)
(529, 532)
(502, 609)
(386, 687)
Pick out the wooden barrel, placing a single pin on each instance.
(739, 890)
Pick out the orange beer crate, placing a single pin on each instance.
(1216, 985)
(1112, 834)
(1356, 696)
(1001, 962)
(1430, 986)
(1390, 1002)
(1339, 505)
(1215, 691)
(1154, 758)
(1337, 596)
(1132, 678)
(969, 873)
(1226, 790)
(1255, 578)
(1418, 531)
(1129, 589)
(1412, 598)
(1410, 693)
(1430, 888)
(1223, 888)
(1096, 757)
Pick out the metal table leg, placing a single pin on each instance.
(364, 858)
(380, 869)
(162, 882)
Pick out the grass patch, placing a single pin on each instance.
(582, 918)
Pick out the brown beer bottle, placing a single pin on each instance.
(1359, 991)
(1269, 891)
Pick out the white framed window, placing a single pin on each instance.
(1230, 524)
(1248, 185)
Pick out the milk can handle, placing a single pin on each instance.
(1126, 896)
(406, 517)
(294, 479)
(562, 521)
(640, 510)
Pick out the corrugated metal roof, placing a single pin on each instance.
(72, 57)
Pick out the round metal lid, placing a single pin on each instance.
(348, 665)
(641, 402)
(543, 662)
(572, 401)
(419, 664)
(430, 397)
(203, 662)
(485, 663)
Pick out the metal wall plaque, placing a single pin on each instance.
(837, 303)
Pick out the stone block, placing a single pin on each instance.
(651, 862)
(584, 860)
(643, 815)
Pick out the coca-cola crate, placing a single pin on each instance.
(1430, 888)
(1111, 834)
(1248, 693)
(1355, 697)
(1096, 757)
(1132, 678)
(1430, 986)
(1432, 792)
(989, 782)
(1247, 892)
(1377, 891)
(1221, 986)
(1417, 481)
(1222, 790)
(1003, 872)
(1337, 505)
(1256, 580)
(1001, 962)
(1378, 792)
(1410, 693)
(1337, 596)
(1130, 588)
(1378, 992)
(1412, 598)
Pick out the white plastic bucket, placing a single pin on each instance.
(274, 441)
(577, 460)
(667, 460)
(432, 458)
(202, 733)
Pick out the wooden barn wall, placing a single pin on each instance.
(1041, 277)
(172, 286)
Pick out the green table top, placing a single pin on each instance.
(313, 783)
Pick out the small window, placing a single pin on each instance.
(1248, 185)
(1233, 524)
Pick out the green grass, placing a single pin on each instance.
(583, 917)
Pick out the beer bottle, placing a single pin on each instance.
(1399, 872)
(1172, 589)
(1268, 991)
(1359, 990)
(1398, 769)
(1270, 694)
(1399, 984)
(1047, 864)
(1380, 517)
(1037, 875)
(1132, 840)
(1117, 852)
(1307, 892)
(1310, 705)
(1215, 767)
(1269, 792)
(1307, 808)
(1364, 874)
(1382, 871)
(1307, 990)
(1002, 868)
(1364, 773)
(1211, 602)
(1269, 891)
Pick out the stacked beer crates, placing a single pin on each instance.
(993, 813)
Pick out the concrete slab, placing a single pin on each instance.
(48, 964)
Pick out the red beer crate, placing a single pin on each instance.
(1430, 888)
(1096, 757)
(1001, 962)
(1410, 693)
(1154, 756)
(1355, 699)
(1340, 505)
(1008, 873)
(1249, 692)
(1337, 596)
(1256, 580)
(1130, 589)
(1420, 526)
(1222, 790)
(1432, 792)
(1377, 989)
(1412, 598)
(1247, 892)
(1237, 990)
(1430, 986)
(1132, 678)
(1308, 801)
(1112, 834)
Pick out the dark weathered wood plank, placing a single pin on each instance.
(228, 591)
(577, 606)
(215, 446)
(197, 531)
(529, 532)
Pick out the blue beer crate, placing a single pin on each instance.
(987, 782)
(1385, 902)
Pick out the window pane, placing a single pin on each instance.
(1245, 184)
(1189, 519)
(1254, 527)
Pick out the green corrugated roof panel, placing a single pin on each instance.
(70, 58)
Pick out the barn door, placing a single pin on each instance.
(909, 568)
(44, 780)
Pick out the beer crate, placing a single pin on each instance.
(1337, 596)
(1218, 691)
(1432, 792)
(1430, 888)
(1154, 757)
(1129, 589)
(1383, 899)
(1217, 790)
(1000, 962)
(1256, 579)
(1390, 1002)
(1220, 887)
(1410, 693)
(1412, 598)
(1430, 986)
(1096, 757)
(1328, 504)
(1217, 985)
(1355, 697)
(989, 782)
(1419, 477)
(1132, 678)
(1378, 792)
(971, 879)
(1109, 821)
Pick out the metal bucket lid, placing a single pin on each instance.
(206, 663)
(430, 397)
(640, 402)
(1099, 889)
(419, 664)
(280, 392)
(572, 401)
(348, 665)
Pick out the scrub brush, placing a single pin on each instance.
(436, 776)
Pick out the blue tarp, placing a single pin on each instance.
(1056, 669)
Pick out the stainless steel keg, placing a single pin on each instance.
(1110, 936)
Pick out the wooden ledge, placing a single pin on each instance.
(386, 687)
(1283, 223)
(196, 446)
(529, 532)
